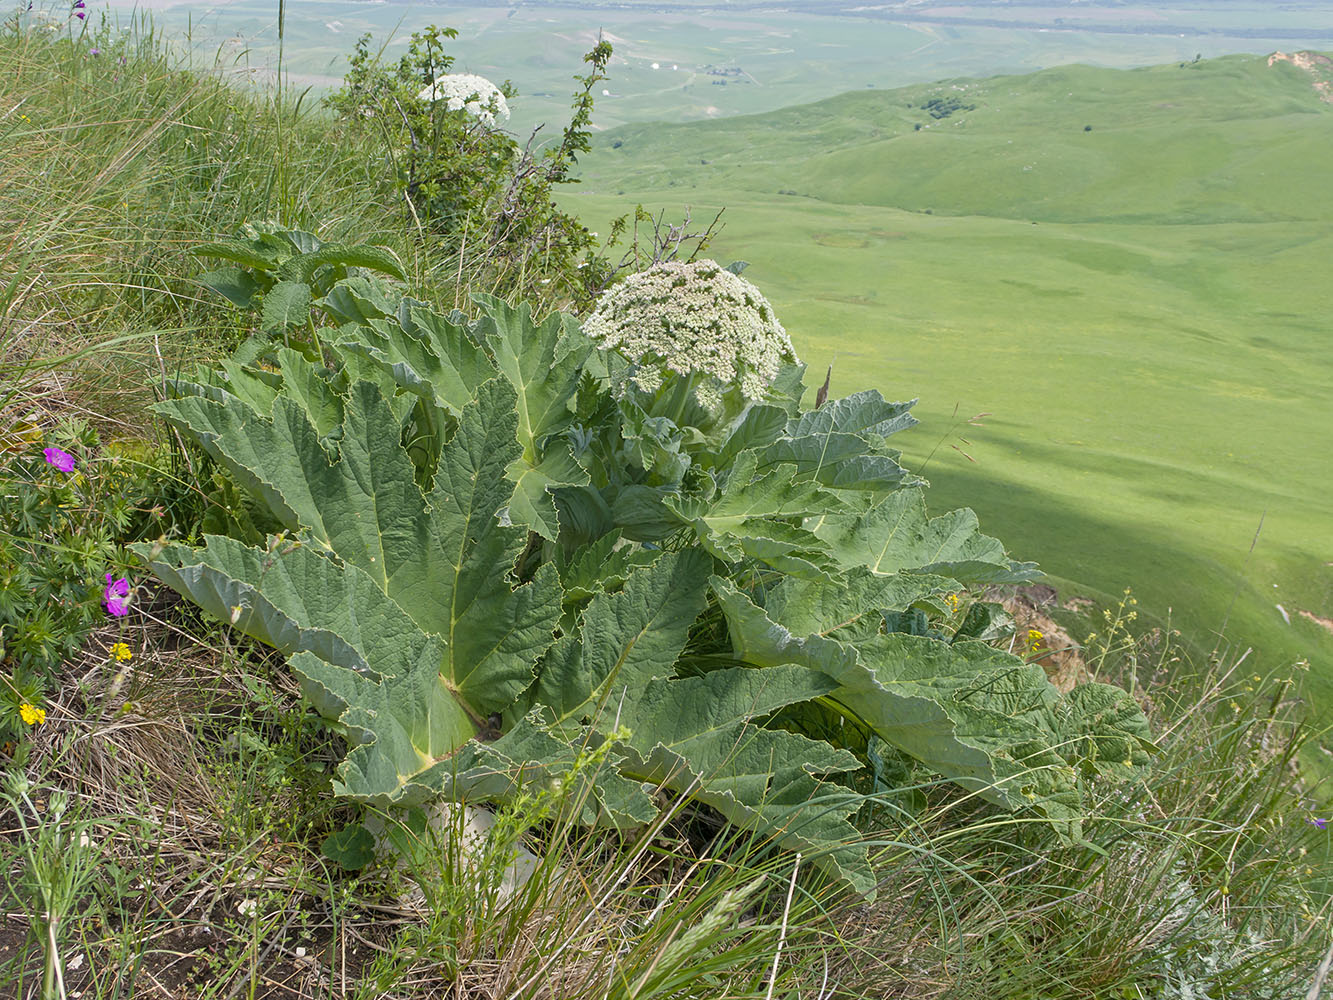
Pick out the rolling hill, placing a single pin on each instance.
(1126, 269)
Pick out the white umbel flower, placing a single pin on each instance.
(481, 98)
(694, 318)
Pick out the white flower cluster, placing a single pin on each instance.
(693, 318)
(478, 95)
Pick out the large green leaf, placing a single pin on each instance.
(286, 304)
(533, 503)
(528, 752)
(487, 625)
(764, 779)
(896, 534)
(753, 516)
(359, 299)
(626, 639)
(408, 628)
(841, 444)
(430, 356)
(295, 598)
(303, 266)
(313, 389)
(363, 506)
(543, 362)
(761, 425)
(603, 565)
(251, 253)
(975, 714)
(233, 284)
(748, 495)
(1105, 731)
(865, 413)
(692, 734)
(257, 389)
(853, 604)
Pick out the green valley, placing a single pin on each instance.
(1125, 270)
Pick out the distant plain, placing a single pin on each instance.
(718, 58)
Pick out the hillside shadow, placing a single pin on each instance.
(1216, 605)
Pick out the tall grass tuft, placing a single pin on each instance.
(118, 160)
(1201, 881)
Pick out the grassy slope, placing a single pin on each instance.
(1142, 308)
(189, 853)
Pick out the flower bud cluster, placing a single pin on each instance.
(696, 318)
(481, 98)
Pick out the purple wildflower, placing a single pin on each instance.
(116, 597)
(79, 4)
(94, 52)
(1316, 821)
(80, 14)
(62, 460)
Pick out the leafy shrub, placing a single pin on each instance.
(461, 174)
(499, 548)
(943, 107)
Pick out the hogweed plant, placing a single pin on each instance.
(499, 553)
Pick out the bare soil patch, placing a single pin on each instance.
(1324, 622)
(1319, 66)
(1058, 653)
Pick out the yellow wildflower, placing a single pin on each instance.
(952, 600)
(31, 714)
(121, 652)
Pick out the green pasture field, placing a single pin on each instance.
(1142, 310)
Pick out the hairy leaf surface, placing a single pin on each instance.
(896, 534)
(975, 714)
(413, 631)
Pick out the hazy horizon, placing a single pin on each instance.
(678, 60)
